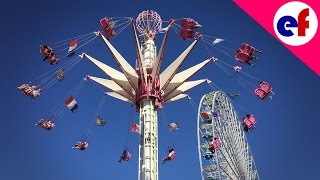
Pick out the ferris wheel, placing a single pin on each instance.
(223, 149)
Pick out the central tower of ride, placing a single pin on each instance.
(149, 98)
(144, 86)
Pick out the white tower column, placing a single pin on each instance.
(148, 148)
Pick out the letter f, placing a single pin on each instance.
(303, 24)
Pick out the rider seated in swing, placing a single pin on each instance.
(243, 57)
(60, 74)
(264, 90)
(82, 145)
(32, 91)
(46, 51)
(46, 124)
(35, 92)
(126, 155)
(53, 59)
(266, 87)
(100, 121)
(48, 54)
(23, 87)
(171, 156)
(249, 122)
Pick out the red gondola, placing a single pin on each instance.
(188, 26)
(108, 27)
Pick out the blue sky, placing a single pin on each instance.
(285, 143)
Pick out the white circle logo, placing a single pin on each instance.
(295, 23)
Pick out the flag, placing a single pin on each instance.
(163, 30)
(72, 47)
(135, 128)
(237, 68)
(72, 104)
(197, 25)
(217, 40)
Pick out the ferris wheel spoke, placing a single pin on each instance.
(227, 144)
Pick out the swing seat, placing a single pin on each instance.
(260, 93)
(187, 34)
(266, 87)
(108, 27)
(247, 49)
(45, 50)
(188, 23)
(252, 120)
(60, 74)
(101, 122)
(247, 123)
(126, 157)
(242, 57)
(84, 146)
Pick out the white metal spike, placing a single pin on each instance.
(183, 88)
(181, 77)
(118, 96)
(170, 71)
(127, 69)
(115, 75)
(110, 84)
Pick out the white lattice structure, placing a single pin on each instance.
(148, 21)
(233, 160)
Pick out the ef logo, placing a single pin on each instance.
(295, 23)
